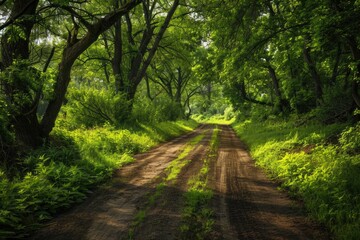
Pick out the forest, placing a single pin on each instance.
(87, 84)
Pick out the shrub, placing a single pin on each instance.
(229, 113)
(158, 110)
(7, 137)
(350, 139)
(336, 105)
(91, 107)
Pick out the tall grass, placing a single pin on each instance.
(317, 163)
(61, 174)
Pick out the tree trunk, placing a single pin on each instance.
(72, 51)
(117, 60)
(314, 74)
(179, 86)
(335, 70)
(355, 51)
(14, 48)
(240, 87)
(281, 103)
(53, 108)
(139, 65)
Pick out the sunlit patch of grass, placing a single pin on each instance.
(215, 119)
(317, 163)
(165, 130)
(197, 216)
(175, 166)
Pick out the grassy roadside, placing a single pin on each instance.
(60, 175)
(319, 164)
(216, 119)
(172, 171)
(197, 215)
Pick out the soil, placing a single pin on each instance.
(246, 204)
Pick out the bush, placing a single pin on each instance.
(6, 136)
(229, 113)
(336, 105)
(350, 139)
(91, 107)
(158, 110)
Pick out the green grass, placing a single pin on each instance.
(60, 175)
(216, 119)
(197, 216)
(175, 166)
(317, 163)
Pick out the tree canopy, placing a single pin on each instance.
(179, 56)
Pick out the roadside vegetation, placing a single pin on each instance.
(56, 176)
(318, 164)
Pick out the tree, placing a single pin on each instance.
(18, 81)
(29, 131)
(305, 44)
(134, 41)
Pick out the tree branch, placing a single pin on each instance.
(11, 19)
(74, 14)
(273, 34)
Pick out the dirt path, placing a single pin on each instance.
(246, 204)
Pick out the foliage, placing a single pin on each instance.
(335, 105)
(312, 166)
(91, 107)
(26, 82)
(286, 57)
(350, 139)
(6, 135)
(56, 176)
(215, 119)
(160, 109)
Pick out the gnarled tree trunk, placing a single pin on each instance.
(355, 51)
(314, 74)
(15, 48)
(72, 51)
(282, 104)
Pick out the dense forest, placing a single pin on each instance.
(86, 84)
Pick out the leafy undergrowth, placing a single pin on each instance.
(318, 163)
(197, 216)
(57, 176)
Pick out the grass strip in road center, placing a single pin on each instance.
(172, 171)
(175, 166)
(197, 215)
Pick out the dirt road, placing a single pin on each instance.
(146, 199)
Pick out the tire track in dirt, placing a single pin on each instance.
(108, 213)
(246, 204)
(164, 218)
